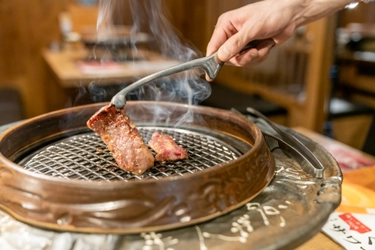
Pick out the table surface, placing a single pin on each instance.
(321, 241)
(70, 67)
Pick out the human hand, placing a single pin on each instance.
(261, 20)
(275, 19)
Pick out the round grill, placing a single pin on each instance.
(56, 173)
(86, 157)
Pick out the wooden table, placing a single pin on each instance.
(69, 75)
(321, 241)
(70, 68)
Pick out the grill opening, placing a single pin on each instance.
(86, 157)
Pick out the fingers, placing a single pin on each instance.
(208, 79)
(231, 47)
(253, 56)
(222, 31)
(217, 39)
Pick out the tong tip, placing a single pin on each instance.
(119, 101)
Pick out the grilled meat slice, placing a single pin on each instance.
(122, 138)
(166, 148)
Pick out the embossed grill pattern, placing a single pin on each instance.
(86, 157)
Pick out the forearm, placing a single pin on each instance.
(311, 10)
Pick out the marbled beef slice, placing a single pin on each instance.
(166, 148)
(122, 138)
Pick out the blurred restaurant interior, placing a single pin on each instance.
(321, 79)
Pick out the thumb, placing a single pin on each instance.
(230, 48)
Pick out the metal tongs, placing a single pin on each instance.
(317, 167)
(210, 65)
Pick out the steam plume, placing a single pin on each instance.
(147, 16)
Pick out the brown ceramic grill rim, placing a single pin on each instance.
(166, 203)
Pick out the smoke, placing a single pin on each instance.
(149, 17)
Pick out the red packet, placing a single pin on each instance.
(352, 231)
(354, 223)
(96, 67)
(348, 160)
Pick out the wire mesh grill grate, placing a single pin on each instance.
(86, 157)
